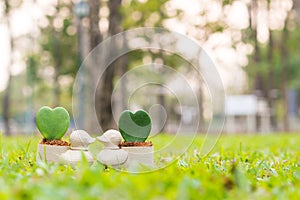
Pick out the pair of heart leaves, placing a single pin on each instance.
(135, 127)
(53, 123)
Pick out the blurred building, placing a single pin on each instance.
(247, 114)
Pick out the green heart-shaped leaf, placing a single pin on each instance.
(135, 127)
(53, 123)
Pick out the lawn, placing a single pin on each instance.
(239, 167)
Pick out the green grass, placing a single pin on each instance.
(239, 167)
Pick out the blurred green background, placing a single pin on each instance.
(254, 44)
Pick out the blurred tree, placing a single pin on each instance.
(152, 14)
(96, 38)
(284, 71)
(58, 45)
(289, 61)
(105, 89)
(7, 93)
(136, 13)
(95, 35)
(146, 14)
(258, 84)
(157, 14)
(270, 84)
(275, 63)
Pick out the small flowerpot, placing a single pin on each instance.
(50, 153)
(140, 155)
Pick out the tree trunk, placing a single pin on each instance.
(123, 69)
(284, 81)
(297, 9)
(256, 56)
(270, 85)
(6, 99)
(6, 107)
(95, 35)
(57, 65)
(105, 90)
(258, 88)
(201, 128)
(56, 100)
(95, 38)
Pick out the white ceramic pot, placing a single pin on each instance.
(50, 153)
(140, 155)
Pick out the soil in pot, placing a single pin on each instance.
(136, 144)
(54, 142)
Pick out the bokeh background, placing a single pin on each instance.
(254, 44)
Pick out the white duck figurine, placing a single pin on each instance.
(80, 140)
(112, 155)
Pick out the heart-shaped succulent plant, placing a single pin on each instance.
(52, 123)
(135, 127)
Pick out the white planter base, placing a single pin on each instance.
(50, 153)
(73, 157)
(140, 156)
(112, 157)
